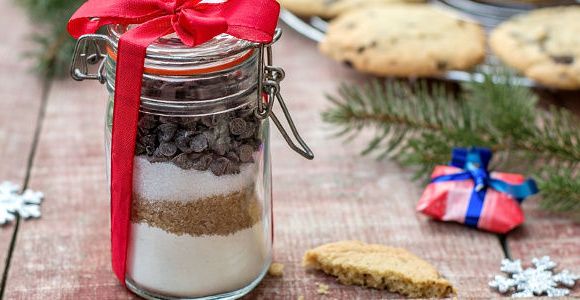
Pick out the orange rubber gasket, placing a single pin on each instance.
(166, 72)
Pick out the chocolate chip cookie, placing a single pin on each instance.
(331, 8)
(404, 40)
(544, 45)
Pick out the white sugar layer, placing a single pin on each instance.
(166, 181)
(188, 266)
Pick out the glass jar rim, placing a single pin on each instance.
(168, 56)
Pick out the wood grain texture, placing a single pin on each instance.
(339, 195)
(65, 255)
(20, 100)
(550, 234)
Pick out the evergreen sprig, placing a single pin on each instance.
(54, 47)
(418, 125)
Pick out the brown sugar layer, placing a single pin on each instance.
(380, 267)
(216, 215)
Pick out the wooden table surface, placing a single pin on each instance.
(51, 139)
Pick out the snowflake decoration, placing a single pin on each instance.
(536, 281)
(12, 202)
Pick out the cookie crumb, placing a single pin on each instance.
(276, 270)
(323, 289)
(300, 297)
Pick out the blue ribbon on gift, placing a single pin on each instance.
(474, 162)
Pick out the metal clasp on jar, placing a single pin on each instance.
(89, 51)
(269, 77)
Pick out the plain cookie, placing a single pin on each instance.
(378, 266)
(331, 8)
(544, 45)
(404, 40)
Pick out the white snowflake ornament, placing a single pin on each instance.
(502, 284)
(544, 263)
(566, 278)
(511, 266)
(8, 187)
(27, 204)
(536, 281)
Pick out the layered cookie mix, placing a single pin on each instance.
(543, 45)
(404, 40)
(198, 221)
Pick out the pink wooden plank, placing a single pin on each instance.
(20, 99)
(550, 234)
(338, 196)
(65, 255)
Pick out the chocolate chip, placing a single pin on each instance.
(221, 146)
(147, 122)
(183, 139)
(199, 143)
(189, 123)
(182, 143)
(246, 153)
(165, 120)
(148, 140)
(222, 128)
(140, 149)
(150, 150)
(361, 49)
(563, 59)
(233, 168)
(210, 135)
(183, 161)
(220, 142)
(237, 126)
(209, 121)
(246, 112)
(167, 149)
(203, 162)
(166, 132)
(441, 65)
(218, 167)
(348, 63)
(194, 156)
(250, 130)
(232, 156)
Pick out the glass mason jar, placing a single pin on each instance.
(201, 222)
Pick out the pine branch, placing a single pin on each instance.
(419, 124)
(54, 46)
(563, 186)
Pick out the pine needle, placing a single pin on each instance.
(54, 46)
(418, 125)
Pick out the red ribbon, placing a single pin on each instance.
(195, 22)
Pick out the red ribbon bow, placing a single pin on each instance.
(195, 22)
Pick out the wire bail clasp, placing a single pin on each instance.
(87, 52)
(269, 77)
